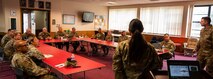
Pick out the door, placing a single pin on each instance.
(36, 20)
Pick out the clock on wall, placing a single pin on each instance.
(12, 12)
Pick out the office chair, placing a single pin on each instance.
(190, 46)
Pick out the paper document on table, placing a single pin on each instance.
(48, 55)
(60, 65)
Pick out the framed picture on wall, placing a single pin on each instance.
(48, 5)
(68, 19)
(31, 3)
(23, 3)
(40, 4)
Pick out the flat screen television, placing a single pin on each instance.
(88, 17)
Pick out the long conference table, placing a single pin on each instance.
(58, 57)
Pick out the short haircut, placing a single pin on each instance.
(9, 30)
(166, 34)
(208, 19)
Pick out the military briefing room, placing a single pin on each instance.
(106, 39)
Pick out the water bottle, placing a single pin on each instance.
(163, 49)
(72, 57)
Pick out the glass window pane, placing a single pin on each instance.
(211, 15)
(198, 17)
(201, 10)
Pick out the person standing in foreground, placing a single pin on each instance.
(134, 58)
(203, 52)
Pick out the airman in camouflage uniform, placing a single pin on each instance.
(99, 36)
(71, 35)
(7, 37)
(134, 58)
(44, 34)
(23, 62)
(120, 65)
(28, 34)
(8, 48)
(109, 37)
(203, 51)
(123, 36)
(168, 45)
(209, 46)
(58, 35)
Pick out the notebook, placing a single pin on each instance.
(183, 69)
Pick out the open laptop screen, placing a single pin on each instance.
(183, 69)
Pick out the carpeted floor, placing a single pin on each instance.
(104, 73)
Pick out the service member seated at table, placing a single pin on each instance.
(28, 34)
(123, 36)
(100, 35)
(167, 44)
(7, 37)
(44, 35)
(8, 48)
(75, 44)
(109, 37)
(58, 35)
(21, 61)
(33, 52)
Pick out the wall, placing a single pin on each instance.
(60, 7)
(9, 5)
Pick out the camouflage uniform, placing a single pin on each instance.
(56, 36)
(26, 64)
(75, 44)
(168, 46)
(105, 48)
(61, 34)
(130, 70)
(209, 58)
(94, 47)
(5, 39)
(122, 38)
(43, 35)
(99, 36)
(109, 38)
(9, 50)
(34, 53)
(26, 36)
(204, 52)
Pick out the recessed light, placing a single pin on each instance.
(111, 3)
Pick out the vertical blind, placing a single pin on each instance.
(119, 19)
(162, 19)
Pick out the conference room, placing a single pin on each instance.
(85, 39)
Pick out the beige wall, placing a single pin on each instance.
(2, 22)
(60, 7)
(9, 5)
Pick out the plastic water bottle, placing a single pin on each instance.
(163, 49)
(72, 57)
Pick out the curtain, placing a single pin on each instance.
(162, 20)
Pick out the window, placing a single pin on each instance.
(119, 19)
(162, 20)
(199, 12)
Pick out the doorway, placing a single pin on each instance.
(36, 20)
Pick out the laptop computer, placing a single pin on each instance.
(183, 69)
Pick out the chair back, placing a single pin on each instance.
(19, 73)
(192, 42)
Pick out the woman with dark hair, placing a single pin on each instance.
(134, 58)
